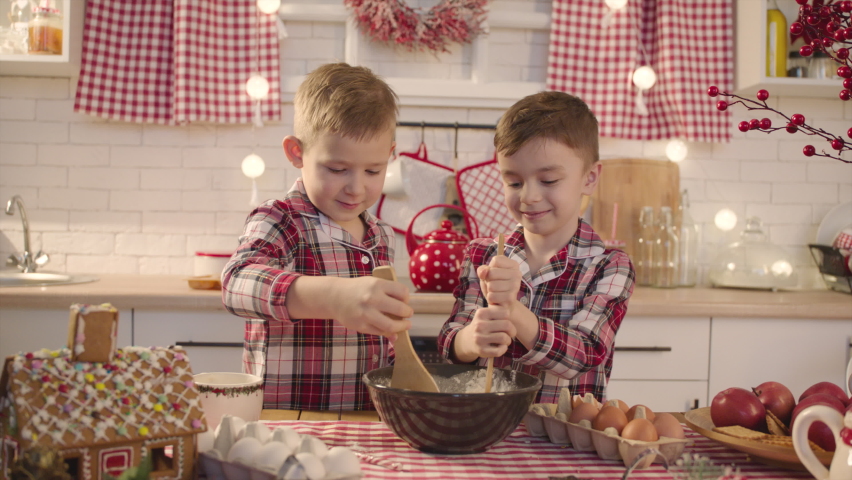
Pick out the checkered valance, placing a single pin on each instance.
(688, 43)
(177, 61)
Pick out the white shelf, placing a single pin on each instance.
(67, 64)
(750, 60)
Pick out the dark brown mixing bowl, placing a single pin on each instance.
(452, 422)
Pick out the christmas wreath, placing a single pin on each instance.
(396, 23)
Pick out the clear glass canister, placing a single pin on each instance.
(666, 248)
(645, 247)
(753, 262)
(45, 32)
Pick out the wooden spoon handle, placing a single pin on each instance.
(489, 371)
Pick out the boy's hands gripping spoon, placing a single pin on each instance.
(408, 371)
(489, 371)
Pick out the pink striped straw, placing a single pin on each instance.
(614, 220)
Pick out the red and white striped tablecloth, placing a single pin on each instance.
(518, 456)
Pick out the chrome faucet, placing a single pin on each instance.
(25, 261)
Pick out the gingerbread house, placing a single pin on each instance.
(103, 409)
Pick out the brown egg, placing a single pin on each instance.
(668, 426)
(610, 416)
(583, 411)
(623, 406)
(631, 413)
(640, 429)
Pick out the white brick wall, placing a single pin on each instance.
(111, 197)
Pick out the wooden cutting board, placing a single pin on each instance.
(632, 183)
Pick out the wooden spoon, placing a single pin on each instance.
(489, 371)
(408, 371)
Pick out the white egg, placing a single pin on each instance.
(225, 436)
(341, 461)
(314, 469)
(244, 450)
(313, 445)
(271, 456)
(288, 436)
(292, 470)
(259, 431)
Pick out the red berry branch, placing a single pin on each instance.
(824, 26)
(795, 123)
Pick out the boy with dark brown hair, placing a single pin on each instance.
(551, 304)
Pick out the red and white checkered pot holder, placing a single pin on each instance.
(481, 195)
(177, 61)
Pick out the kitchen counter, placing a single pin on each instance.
(170, 292)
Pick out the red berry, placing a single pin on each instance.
(721, 105)
(765, 124)
(837, 144)
(846, 6)
(831, 27)
(849, 133)
(847, 83)
(827, 42)
(812, 19)
(805, 9)
(754, 124)
(798, 119)
(743, 126)
(840, 34)
(809, 150)
(845, 95)
(797, 28)
(816, 44)
(806, 51)
(762, 95)
(801, 2)
(842, 53)
(713, 91)
(844, 72)
(847, 33)
(793, 129)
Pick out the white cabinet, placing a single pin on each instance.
(661, 362)
(213, 340)
(28, 330)
(746, 352)
(67, 64)
(750, 58)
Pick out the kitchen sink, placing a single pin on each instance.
(39, 279)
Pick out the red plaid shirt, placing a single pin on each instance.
(312, 364)
(580, 298)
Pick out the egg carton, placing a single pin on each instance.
(608, 446)
(214, 468)
(240, 450)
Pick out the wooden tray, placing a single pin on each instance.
(785, 457)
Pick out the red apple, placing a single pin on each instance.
(826, 387)
(819, 432)
(738, 406)
(777, 398)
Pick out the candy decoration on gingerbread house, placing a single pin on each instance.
(102, 409)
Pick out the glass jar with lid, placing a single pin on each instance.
(753, 262)
(45, 31)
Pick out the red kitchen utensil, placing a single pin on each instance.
(427, 187)
(481, 195)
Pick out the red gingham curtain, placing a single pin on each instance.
(688, 43)
(177, 61)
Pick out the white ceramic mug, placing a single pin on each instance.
(841, 427)
(237, 394)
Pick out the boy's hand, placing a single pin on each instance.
(366, 304)
(500, 281)
(489, 334)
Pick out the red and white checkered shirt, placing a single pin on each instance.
(311, 364)
(580, 298)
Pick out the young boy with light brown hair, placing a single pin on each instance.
(316, 320)
(551, 306)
